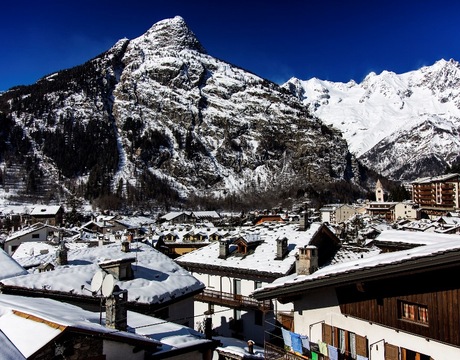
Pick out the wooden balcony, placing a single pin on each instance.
(234, 301)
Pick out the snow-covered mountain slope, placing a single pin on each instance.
(157, 115)
(393, 112)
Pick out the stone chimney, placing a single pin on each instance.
(304, 223)
(61, 254)
(281, 248)
(223, 248)
(307, 260)
(125, 246)
(116, 313)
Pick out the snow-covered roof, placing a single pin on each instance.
(135, 221)
(418, 257)
(239, 348)
(9, 267)
(45, 210)
(157, 278)
(172, 215)
(206, 214)
(31, 323)
(171, 335)
(413, 238)
(29, 229)
(28, 249)
(262, 260)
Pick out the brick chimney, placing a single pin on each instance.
(116, 313)
(307, 260)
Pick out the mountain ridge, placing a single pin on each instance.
(388, 106)
(156, 117)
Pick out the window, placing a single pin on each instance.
(35, 236)
(414, 312)
(258, 317)
(257, 285)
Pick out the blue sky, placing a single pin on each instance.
(330, 40)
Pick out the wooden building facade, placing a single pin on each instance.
(403, 305)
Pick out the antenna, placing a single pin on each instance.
(96, 282)
(107, 285)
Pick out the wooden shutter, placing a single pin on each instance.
(327, 334)
(391, 352)
(361, 345)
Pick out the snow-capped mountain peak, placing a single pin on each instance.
(386, 104)
(170, 33)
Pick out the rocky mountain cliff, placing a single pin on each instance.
(402, 125)
(157, 118)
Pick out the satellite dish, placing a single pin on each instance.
(107, 285)
(96, 282)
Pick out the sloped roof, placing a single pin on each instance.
(157, 278)
(45, 210)
(419, 258)
(262, 260)
(31, 323)
(9, 267)
(7, 349)
(28, 230)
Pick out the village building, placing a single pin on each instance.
(51, 214)
(406, 210)
(393, 305)
(177, 240)
(155, 284)
(437, 195)
(37, 232)
(337, 213)
(40, 328)
(236, 265)
(176, 217)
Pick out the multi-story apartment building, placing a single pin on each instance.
(437, 195)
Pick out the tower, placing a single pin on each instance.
(379, 192)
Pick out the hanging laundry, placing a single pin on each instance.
(332, 352)
(322, 347)
(314, 356)
(296, 343)
(305, 342)
(360, 357)
(286, 337)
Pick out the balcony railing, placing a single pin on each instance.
(273, 352)
(233, 301)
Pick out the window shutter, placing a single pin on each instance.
(391, 352)
(327, 334)
(361, 345)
